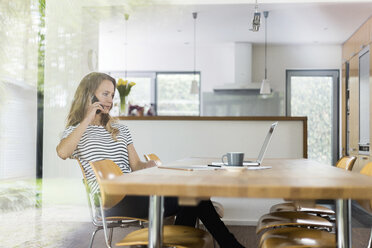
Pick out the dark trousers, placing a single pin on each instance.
(138, 207)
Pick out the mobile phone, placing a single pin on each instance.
(95, 99)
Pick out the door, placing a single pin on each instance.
(314, 93)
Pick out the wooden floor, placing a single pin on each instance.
(62, 226)
(245, 234)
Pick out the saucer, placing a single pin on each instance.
(234, 168)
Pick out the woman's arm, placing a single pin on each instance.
(135, 162)
(68, 145)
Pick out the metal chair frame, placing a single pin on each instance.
(100, 222)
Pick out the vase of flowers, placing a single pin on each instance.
(124, 89)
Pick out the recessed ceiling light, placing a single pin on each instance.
(325, 28)
(186, 43)
(179, 30)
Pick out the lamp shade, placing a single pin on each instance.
(194, 87)
(265, 87)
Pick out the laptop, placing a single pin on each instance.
(263, 148)
(260, 155)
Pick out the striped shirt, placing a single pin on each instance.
(97, 144)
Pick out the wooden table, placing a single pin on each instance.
(288, 178)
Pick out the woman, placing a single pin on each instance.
(92, 135)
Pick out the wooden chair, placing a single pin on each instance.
(153, 157)
(296, 237)
(367, 204)
(346, 163)
(95, 214)
(295, 219)
(173, 236)
(177, 236)
(300, 237)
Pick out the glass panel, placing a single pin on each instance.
(19, 44)
(312, 97)
(173, 94)
(243, 104)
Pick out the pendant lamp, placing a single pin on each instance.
(126, 16)
(256, 19)
(265, 85)
(194, 83)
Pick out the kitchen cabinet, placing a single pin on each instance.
(357, 91)
(353, 114)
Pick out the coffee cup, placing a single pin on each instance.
(233, 159)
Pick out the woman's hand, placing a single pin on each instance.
(135, 162)
(151, 163)
(92, 111)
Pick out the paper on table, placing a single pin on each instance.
(187, 168)
(242, 168)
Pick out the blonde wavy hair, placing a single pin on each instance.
(83, 97)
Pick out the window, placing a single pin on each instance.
(173, 94)
(170, 94)
(142, 94)
(314, 94)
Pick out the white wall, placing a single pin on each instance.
(284, 57)
(214, 61)
(172, 140)
(217, 63)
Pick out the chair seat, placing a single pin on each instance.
(290, 207)
(291, 219)
(177, 236)
(296, 237)
(123, 219)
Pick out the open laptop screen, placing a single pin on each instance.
(266, 142)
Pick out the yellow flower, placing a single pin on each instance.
(122, 82)
(124, 87)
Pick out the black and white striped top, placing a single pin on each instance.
(97, 144)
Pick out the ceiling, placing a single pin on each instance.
(288, 23)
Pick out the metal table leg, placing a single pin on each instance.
(156, 212)
(343, 223)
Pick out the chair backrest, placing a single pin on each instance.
(366, 204)
(346, 163)
(153, 157)
(106, 170)
(367, 169)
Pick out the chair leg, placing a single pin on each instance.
(110, 235)
(197, 224)
(104, 224)
(370, 240)
(93, 235)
